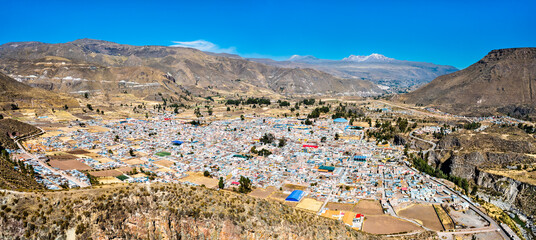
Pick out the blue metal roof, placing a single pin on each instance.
(295, 196)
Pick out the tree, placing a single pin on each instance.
(210, 111)
(267, 138)
(221, 185)
(242, 117)
(1, 116)
(282, 142)
(86, 95)
(228, 109)
(337, 136)
(131, 152)
(323, 139)
(89, 107)
(206, 173)
(245, 185)
(65, 107)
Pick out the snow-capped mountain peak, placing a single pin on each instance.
(375, 57)
(298, 58)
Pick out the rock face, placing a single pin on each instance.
(503, 81)
(519, 194)
(94, 65)
(471, 155)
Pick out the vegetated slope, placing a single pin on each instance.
(163, 211)
(10, 177)
(21, 95)
(396, 74)
(93, 65)
(15, 128)
(16, 176)
(503, 81)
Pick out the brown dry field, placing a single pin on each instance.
(340, 206)
(124, 169)
(368, 207)
(387, 225)
(292, 187)
(262, 193)
(69, 165)
(424, 214)
(165, 163)
(310, 204)
(78, 152)
(278, 196)
(106, 173)
(198, 178)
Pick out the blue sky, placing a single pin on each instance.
(456, 33)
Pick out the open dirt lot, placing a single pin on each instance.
(425, 214)
(469, 219)
(310, 204)
(69, 164)
(387, 225)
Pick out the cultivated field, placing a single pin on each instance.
(69, 164)
(106, 173)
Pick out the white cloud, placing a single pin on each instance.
(204, 46)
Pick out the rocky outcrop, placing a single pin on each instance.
(519, 194)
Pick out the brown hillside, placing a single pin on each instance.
(503, 81)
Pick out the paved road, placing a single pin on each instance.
(61, 173)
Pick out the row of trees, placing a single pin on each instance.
(422, 165)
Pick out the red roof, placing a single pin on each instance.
(311, 146)
(167, 119)
(359, 215)
(404, 189)
(235, 183)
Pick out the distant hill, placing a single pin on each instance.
(504, 81)
(101, 66)
(377, 68)
(14, 94)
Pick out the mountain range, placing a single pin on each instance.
(88, 65)
(388, 72)
(504, 81)
(14, 94)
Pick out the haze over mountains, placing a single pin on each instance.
(503, 81)
(94, 65)
(395, 74)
